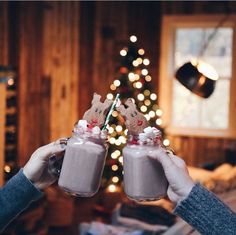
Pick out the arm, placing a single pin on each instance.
(25, 186)
(205, 212)
(196, 205)
(15, 196)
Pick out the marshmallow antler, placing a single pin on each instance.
(129, 102)
(96, 98)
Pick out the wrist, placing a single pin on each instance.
(185, 191)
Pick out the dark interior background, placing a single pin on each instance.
(65, 51)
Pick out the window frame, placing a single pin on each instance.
(167, 70)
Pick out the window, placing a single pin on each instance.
(183, 38)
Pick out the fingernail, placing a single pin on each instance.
(63, 146)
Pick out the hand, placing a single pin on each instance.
(36, 169)
(180, 183)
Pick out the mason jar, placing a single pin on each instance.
(83, 165)
(144, 177)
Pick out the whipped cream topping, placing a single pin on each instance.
(151, 135)
(85, 129)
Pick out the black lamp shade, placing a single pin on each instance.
(195, 81)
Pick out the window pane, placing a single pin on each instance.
(189, 110)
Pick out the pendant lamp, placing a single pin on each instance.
(198, 77)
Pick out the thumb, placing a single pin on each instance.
(161, 156)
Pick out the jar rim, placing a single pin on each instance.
(135, 140)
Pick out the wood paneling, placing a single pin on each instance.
(48, 62)
(3, 33)
(110, 30)
(65, 51)
(61, 65)
(29, 85)
(86, 42)
(2, 129)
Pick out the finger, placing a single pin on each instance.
(161, 156)
(46, 151)
(62, 140)
(177, 160)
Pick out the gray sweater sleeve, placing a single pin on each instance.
(15, 196)
(206, 213)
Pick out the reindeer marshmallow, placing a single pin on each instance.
(96, 115)
(134, 120)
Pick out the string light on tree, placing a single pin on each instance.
(133, 79)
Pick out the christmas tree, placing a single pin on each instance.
(132, 80)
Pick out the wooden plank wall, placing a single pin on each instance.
(67, 50)
(48, 65)
(3, 33)
(3, 61)
(61, 64)
(2, 129)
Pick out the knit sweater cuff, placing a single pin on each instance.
(15, 196)
(205, 212)
(29, 190)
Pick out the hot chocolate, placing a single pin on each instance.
(144, 178)
(83, 165)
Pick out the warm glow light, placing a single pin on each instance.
(118, 142)
(146, 92)
(10, 82)
(121, 159)
(126, 131)
(7, 169)
(147, 117)
(158, 121)
(112, 87)
(135, 63)
(114, 155)
(112, 140)
(114, 113)
(111, 188)
(110, 130)
(118, 152)
(148, 78)
(118, 128)
(139, 60)
(133, 38)
(141, 51)
(202, 80)
(206, 69)
(136, 77)
(143, 108)
(153, 96)
(140, 97)
(114, 167)
(139, 85)
(115, 179)
(116, 83)
(146, 62)
(144, 72)
(166, 142)
(123, 52)
(122, 139)
(159, 112)
(131, 77)
(109, 96)
(152, 114)
(147, 102)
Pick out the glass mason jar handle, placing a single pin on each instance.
(55, 164)
(55, 161)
